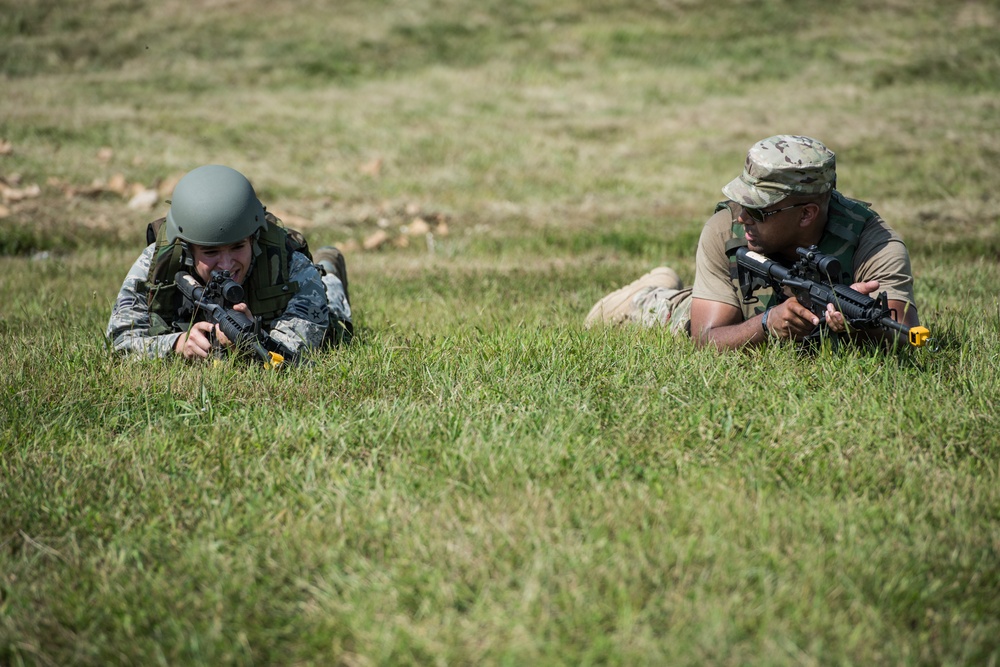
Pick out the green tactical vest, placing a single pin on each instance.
(267, 287)
(845, 220)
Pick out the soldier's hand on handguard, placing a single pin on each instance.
(221, 337)
(195, 343)
(835, 319)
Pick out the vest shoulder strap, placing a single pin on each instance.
(845, 222)
(268, 288)
(153, 230)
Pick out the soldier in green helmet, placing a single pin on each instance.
(216, 225)
(785, 198)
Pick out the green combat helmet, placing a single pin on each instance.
(212, 206)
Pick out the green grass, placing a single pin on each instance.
(478, 479)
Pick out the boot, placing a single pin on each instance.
(617, 307)
(332, 261)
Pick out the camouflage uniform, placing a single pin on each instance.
(303, 325)
(775, 168)
(658, 298)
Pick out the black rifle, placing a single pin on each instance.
(817, 280)
(216, 300)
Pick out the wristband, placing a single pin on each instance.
(763, 322)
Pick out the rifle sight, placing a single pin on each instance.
(223, 285)
(826, 267)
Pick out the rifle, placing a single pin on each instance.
(216, 300)
(817, 280)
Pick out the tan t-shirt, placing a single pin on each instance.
(881, 255)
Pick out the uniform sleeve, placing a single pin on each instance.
(128, 328)
(712, 281)
(882, 256)
(304, 323)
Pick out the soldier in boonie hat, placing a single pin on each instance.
(785, 199)
(781, 166)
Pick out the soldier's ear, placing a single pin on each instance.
(809, 214)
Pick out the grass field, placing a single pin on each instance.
(479, 479)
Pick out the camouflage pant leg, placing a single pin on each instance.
(662, 306)
(649, 301)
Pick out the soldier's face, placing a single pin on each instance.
(235, 258)
(778, 231)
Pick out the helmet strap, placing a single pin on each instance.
(256, 246)
(187, 257)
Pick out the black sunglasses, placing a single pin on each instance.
(758, 215)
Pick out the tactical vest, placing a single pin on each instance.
(845, 220)
(267, 287)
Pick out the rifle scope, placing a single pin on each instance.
(223, 284)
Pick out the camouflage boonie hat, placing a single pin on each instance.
(780, 166)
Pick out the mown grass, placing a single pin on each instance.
(478, 479)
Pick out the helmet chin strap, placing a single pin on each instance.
(187, 258)
(256, 253)
(256, 247)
